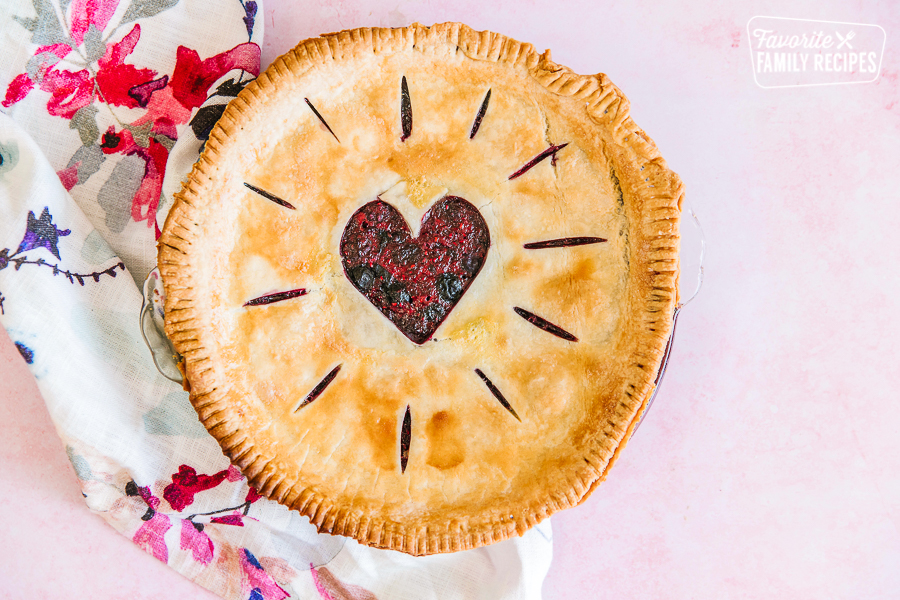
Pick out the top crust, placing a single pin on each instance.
(475, 475)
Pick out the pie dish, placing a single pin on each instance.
(422, 280)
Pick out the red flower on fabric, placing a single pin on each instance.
(22, 83)
(192, 77)
(61, 50)
(186, 482)
(115, 78)
(168, 100)
(17, 90)
(154, 155)
(235, 519)
(69, 177)
(252, 495)
(171, 105)
(69, 91)
(234, 474)
(90, 12)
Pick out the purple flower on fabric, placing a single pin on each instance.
(142, 92)
(260, 582)
(42, 233)
(250, 15)
(252, 559)
(26, 352)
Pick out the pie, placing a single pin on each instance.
(422, 280)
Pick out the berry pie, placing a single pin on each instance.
(422, 280)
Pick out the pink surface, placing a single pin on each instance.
(769, 464)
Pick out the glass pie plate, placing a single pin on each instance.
(690, 281)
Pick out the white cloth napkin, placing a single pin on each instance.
(105, 107)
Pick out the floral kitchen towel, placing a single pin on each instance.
(106, 87)
(105, 106)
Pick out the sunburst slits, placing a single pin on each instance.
(480, 116)
(551, 151)
(405, 437)
(545, 325)
(320, 387)
(270, 196)
(321, 119)
(564, 242)
(497, 394)
(277, 297)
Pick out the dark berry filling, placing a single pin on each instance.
(415, 282)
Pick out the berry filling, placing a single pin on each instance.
(415, 282)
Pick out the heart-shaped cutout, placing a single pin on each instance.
(415, 282)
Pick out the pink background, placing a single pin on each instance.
(769, 465)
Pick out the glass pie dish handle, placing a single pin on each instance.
(690, 280)
(153, 328)
(166, 358)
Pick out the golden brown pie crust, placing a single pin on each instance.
(476, 474)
